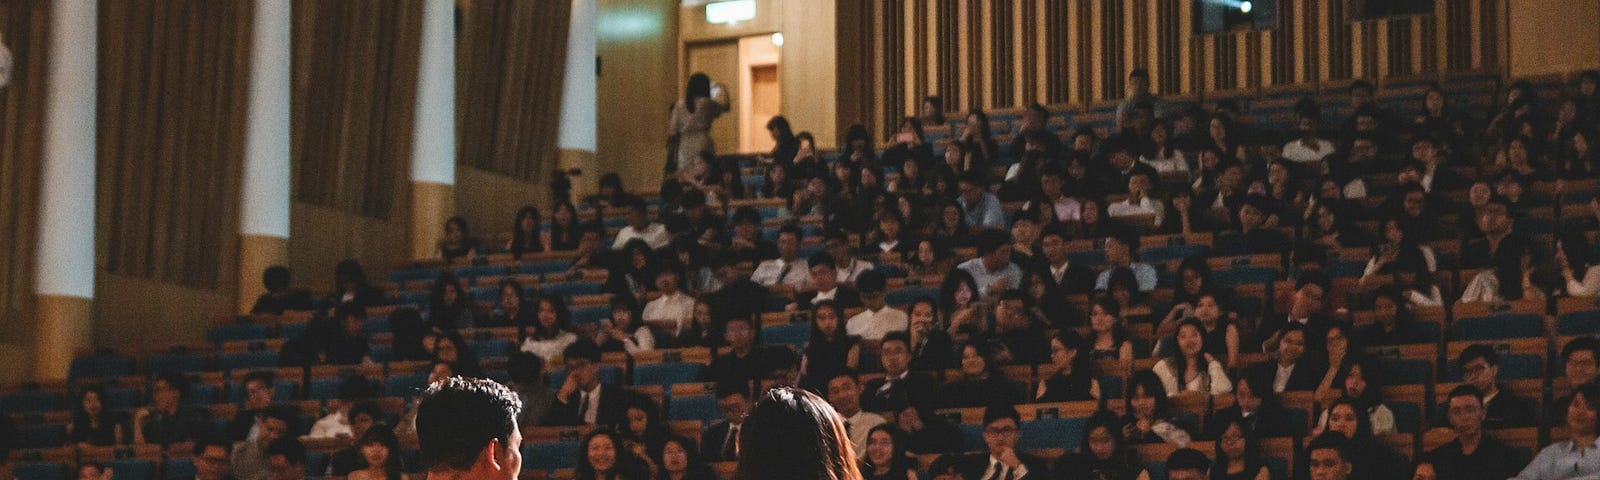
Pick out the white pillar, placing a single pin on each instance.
(576, 137)
(433, 157)
(264, 193)
(433, 144)
(65, 268)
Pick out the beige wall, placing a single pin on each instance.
(638, 80)
(134, 314)
(1554, 36)
(320, 237)
(490, 201)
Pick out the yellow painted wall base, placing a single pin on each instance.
(489, 201)
(256, 253)
(63, 331)
(589, 182)
(431, 205)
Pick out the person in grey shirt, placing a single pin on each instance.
(993, 270)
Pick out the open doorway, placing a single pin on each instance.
(758, 82)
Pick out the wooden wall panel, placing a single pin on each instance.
(1005, 54)
(355, 70)
(26, 27)
(510, 63)
(173, 82)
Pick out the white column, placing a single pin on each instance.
(64, 289)
(66, 186)
(433, 157)
(433, 137)
(264, 193)
(576, 137)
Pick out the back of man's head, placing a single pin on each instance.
(459, 417)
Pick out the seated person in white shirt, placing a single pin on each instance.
(626, 330)
(1309, 148)
(673, 310)
(788, 272)
(845, 263)
(878, 318)
(1139, 201)
(640, 227)
(1120, 250)
(992, 270)
(355, 389)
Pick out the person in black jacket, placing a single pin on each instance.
(1001, 460)
(720, 441)
(1480, 367)
(583, 400)
(899, 387)
(1291, 369)
(279, 297)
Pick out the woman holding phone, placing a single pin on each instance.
(691, 120)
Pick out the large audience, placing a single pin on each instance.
(1198, 278)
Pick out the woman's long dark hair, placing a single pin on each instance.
(697, 469)
(1121, 456)
(1151, 384)
(381, 434)
(947, 289)
(559, 232)
(526, 241)
(81, 418)
(625, 467)
(439, 311)
(1508, 270)
(563, 318)
(699, 87)
(785, 132)
(1180, 361)
(792, 434)
(899, 463)
(1252, 453)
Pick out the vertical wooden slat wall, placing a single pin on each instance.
(173, 85)
(355, 70)
(26, 23)
(511, 62)
(1006, 54)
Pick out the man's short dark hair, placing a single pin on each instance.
(1465, 391)
(177, 381)
(1001, 411)
(355, 388)
(263, 376)
(1139, 73)
(275, 278)
(582, 349)
(458, 416)
(727, 389)
(1312, 277)
(282, 412)
(1129, 239)
(991, 240)
(202, 444)
(290, 448)
(974, 177)
(871, 281)
(524, 367)
(348, 310)
(790, 229)
(367, 408)
(1331, 440)
(1581, 344)
(1056, 230)
(1187, 459)
(1477, 351)
(820, 259)
(746, 214)
(896, 336)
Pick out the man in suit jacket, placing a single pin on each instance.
(825, 285)
(1292, 369)
(583, 400)
(719, 442)
(899, 387)
(1002, 461)
(1305, 311)
(1061, 278)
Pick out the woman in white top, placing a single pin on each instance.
(1363, 395)
(1162, 156)
(625, 331)
(1397, 244)
(1572, 256)
(1192, 369)
(1507, 281)
(552, 333)
(691, 120)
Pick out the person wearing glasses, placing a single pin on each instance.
(211, 459)
(1001, 429)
